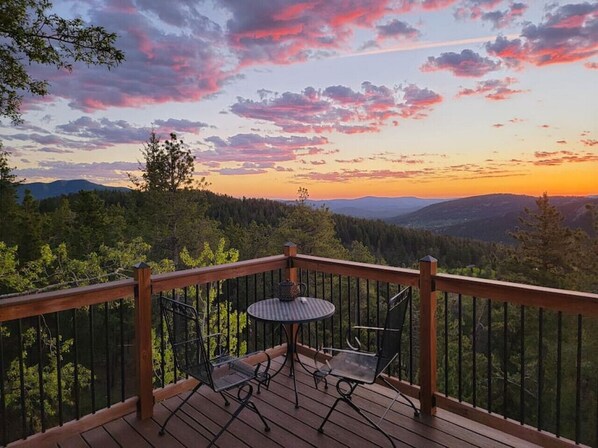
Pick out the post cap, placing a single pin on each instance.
(428, 259)
(289, 244)
(141, 265)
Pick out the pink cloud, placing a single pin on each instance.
(338, 108)
(493, 89)
(465, 64)
(591, 65)
(284, 32)
(569, 33)
(555, 158)
(160, 66)
(260, 150)
(474, 9)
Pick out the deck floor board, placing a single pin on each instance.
(204, 414)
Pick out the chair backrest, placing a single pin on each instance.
(184, 333)
(393, 328)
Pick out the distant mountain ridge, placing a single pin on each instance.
(42, 190)
(491, 217)
(374, 207)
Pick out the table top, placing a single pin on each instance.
(300, 310)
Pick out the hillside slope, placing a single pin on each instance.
(491, 217)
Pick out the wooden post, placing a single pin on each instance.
(143, 341)
(290, 273)
(427, 335)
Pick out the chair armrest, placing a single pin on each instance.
(361, 327)
(341, 350)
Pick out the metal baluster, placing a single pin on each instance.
(474, 329)
(540, 365)
(377, 313)
(162, 348)
(92, 361)
(505, 357)
(460, 349)
(368, 316)
(227, 283)
(358, 298)
(272, 326)
(2, 391)
(489, 365)
(121, 303)
(578, 382)
(411, 369)
(559, 359)
(238, 315)
(76, 367)
(59, 369)
(264, 297)
(22, 379)
(107, 341)
(332, 318)
(40, 373)
(522, 362)
(247, 306)
(446, 362)
(255, 300)
(323, 322)
(340, 312)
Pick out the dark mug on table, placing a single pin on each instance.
(289, 290)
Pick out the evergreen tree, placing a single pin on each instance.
(30, 34)
(173, 212)
(546, 249)
(311, 229)
(30, 229)
(8, 200)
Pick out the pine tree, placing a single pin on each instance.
(546, 247)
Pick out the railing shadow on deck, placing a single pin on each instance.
(518, 358)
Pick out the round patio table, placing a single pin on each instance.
(298, 311)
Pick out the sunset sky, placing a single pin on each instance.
(347, 98)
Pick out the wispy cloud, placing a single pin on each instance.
(492, 89)
(468, 63)
(339, 108)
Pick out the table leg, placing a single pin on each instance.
(290, 358)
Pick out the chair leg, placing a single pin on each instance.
(321, 428)
(226, 402)
(251, 405)
(401, 394)
(346, 395)
(369, 420)
(161, 432)
(234, 416)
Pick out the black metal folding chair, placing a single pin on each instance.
(221, 373)
(354, 367)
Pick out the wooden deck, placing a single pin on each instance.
(205, 413)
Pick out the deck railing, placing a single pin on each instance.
(521, 359)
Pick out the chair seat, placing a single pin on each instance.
(356, 366)
(229, 373)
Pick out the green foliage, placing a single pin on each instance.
(225, 317)
(32, 396)
(54, 268)
(313, 231)
(550, 254)
(31, 34)
(168, 166)
(8, 200)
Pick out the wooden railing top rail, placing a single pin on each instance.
(570, 302)
(189, 277)
(64, 299)
(407, 277)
